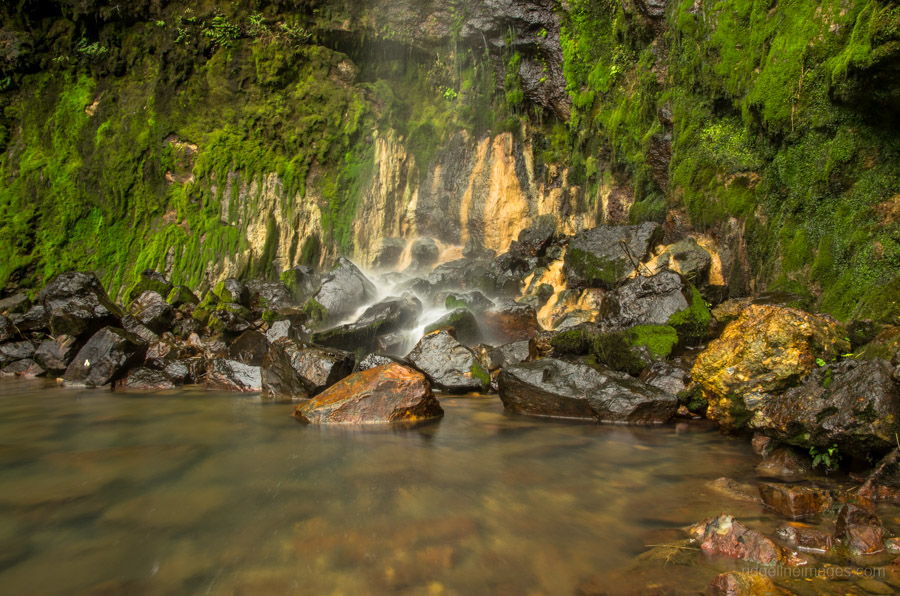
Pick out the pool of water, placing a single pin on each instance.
(212, 493)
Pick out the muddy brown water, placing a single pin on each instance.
(195, 492)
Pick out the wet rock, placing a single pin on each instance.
(105, 357)
(145, 379)
(186, 370)
(662, 375)
(765, 351)
(859, 530)
(559, 389)
(22, 368)
(738, 583)
(344, 289)
(78, 305)
(785, 463)
(597, 257)
(540, 345)
(230, 318)
(424, 253)
(534, 240)
(727, 537)
(250, 348)
(373, 360)
(6, 329)
(231, 375)
(297, 370)
(19, 350)
(795, 502)
(503, 276)
(148, 281)
(510, 321)
(180, 296)
(763, 445)
(853, 404)
(507, 355)
(387, 393)
(388, 316)
(689, 259)
(54, 355)
(152, 311)
(268, 295)
(883, 483)
(393, 343)
(735, 490)
(464, 324)
(302, 282)
(661, 299)
(139, 330)
(283, 328)
(35, 318)
(473, 300)
(15, 304)
(232, 291)
(805, 538)
(573, 318)
(449, 365)
(388, 252)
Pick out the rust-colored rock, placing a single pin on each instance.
(804, 538)
(859, 529)
(387, 393)
(795, 502)
(727, 537)
(510, 321)
(765, 351)
(735, 583)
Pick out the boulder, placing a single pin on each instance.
(449, 365)
(859, 530)
(763, 352)
(795, 502)
(510, 321)
(534, 240)
(231, 375)
(186, 370)
(472, 300)
(148, 281)
(785, 463)
(883, 483)
(7, 331)
(106, 356)
(15, 304)
(18, 350)
(665, 376)
(153, 312)
(424, 253)
(180, 296)
(283, 328)
(145, 379)
(598, 257)
(387, 253)
(507, 355)
(373, 360)
(689, 259)
(22, 368)
(727, 537)
(558, 389)
(268, 295)
(386, 317)
(35, 318)
(55, 355)
(302, 282)
(250, 347)
(139, 330)
(387, 393)
(662, 299)
(78, 305)
(233, 291)
(344, 290)
(230, 318)
(853, 404)
(298, 370)
(804, 538)
(464, 324)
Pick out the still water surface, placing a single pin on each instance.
(198, 492)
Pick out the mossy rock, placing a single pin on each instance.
(659, 339)
(181, 295)
(464, 324)
(614, 350)
(692, 324)
(886, 345)
(478, 372)
(148, 280)
(315, 313)
(205, 308)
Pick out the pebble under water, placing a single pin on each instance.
(196, 492)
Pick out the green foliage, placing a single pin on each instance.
(692, 323)
(613, 350)
(315, 313)
(478, 372)
(828, 458)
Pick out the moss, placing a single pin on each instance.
(659, 339)
(573, 341)
(181, 295)
(595, 271)
(614, 351)
(692, 323)
(315, 313)
(692, 398)
(478, 372)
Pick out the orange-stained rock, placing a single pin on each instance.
(387, 393)
(510, 321)
(765, 351)
(794, 501)
(727, 537)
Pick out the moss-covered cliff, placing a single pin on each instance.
(207, 138)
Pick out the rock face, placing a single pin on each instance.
(727, 537)
(559, 389)
(78, 305)
(344, 289)
(765, 351)
(795, 502)
(510, 321)
(854, 404)
(231, 375)
(54, 355)
(597, 258)
(387, 393)
(296, 370)
(152, 310)
(449, 365)
(105, 357)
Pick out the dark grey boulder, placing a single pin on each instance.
(233, 291)
(665, 376)
(558, 389)
(19, 350)
(145, 379)
(148, 280)
(250, 347)
(449, 365)
(180, 296)
(78, 305)
(55, 355)
(15, 304)
(35, 318)
(296, 370)
(507, 355)
(231, 375)
(22, 368)
(344, 290)
(464, 324)
(388, 316)
(598, 257)
(106, 356)
(153, 312)
(269, 295)
(139, 330)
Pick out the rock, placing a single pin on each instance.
(507, 355)
(795, 502)
(250, 348)
(785, 463)
(541, 346)
(152, 311)
(742, 583)
(35, 318)
(139, 330)
(231, 375)
(766, 350)
(664, 376)
(559, 389)
(145, 379)
(387, 393)
(662, 299)
(689, 259)
(735, 490)
(19, 350)
(510, 321)
(15, 304)
(230, 318)
(180, 296)
(186, 370)
(344, 290)
(473, 300)
(282, 328)
(22, 368)
(233, 291)
(424, 253)
(388, 316)
(268, 295)
(883, 483)
(148, 281)
(54, 355)
(464, 324)
(297, 370)
(859, 530)
(727, 537)
(597, 258)
(373, 360)
(853, 404)
(805, 538)
(393, 343)
(302, 282)
(763, 445)
(106, 356)
(78, 305)
(449, 365)
(6, 329)
(534, 240)
(388, 252)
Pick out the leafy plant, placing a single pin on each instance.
(820, 362)
(830, 458)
